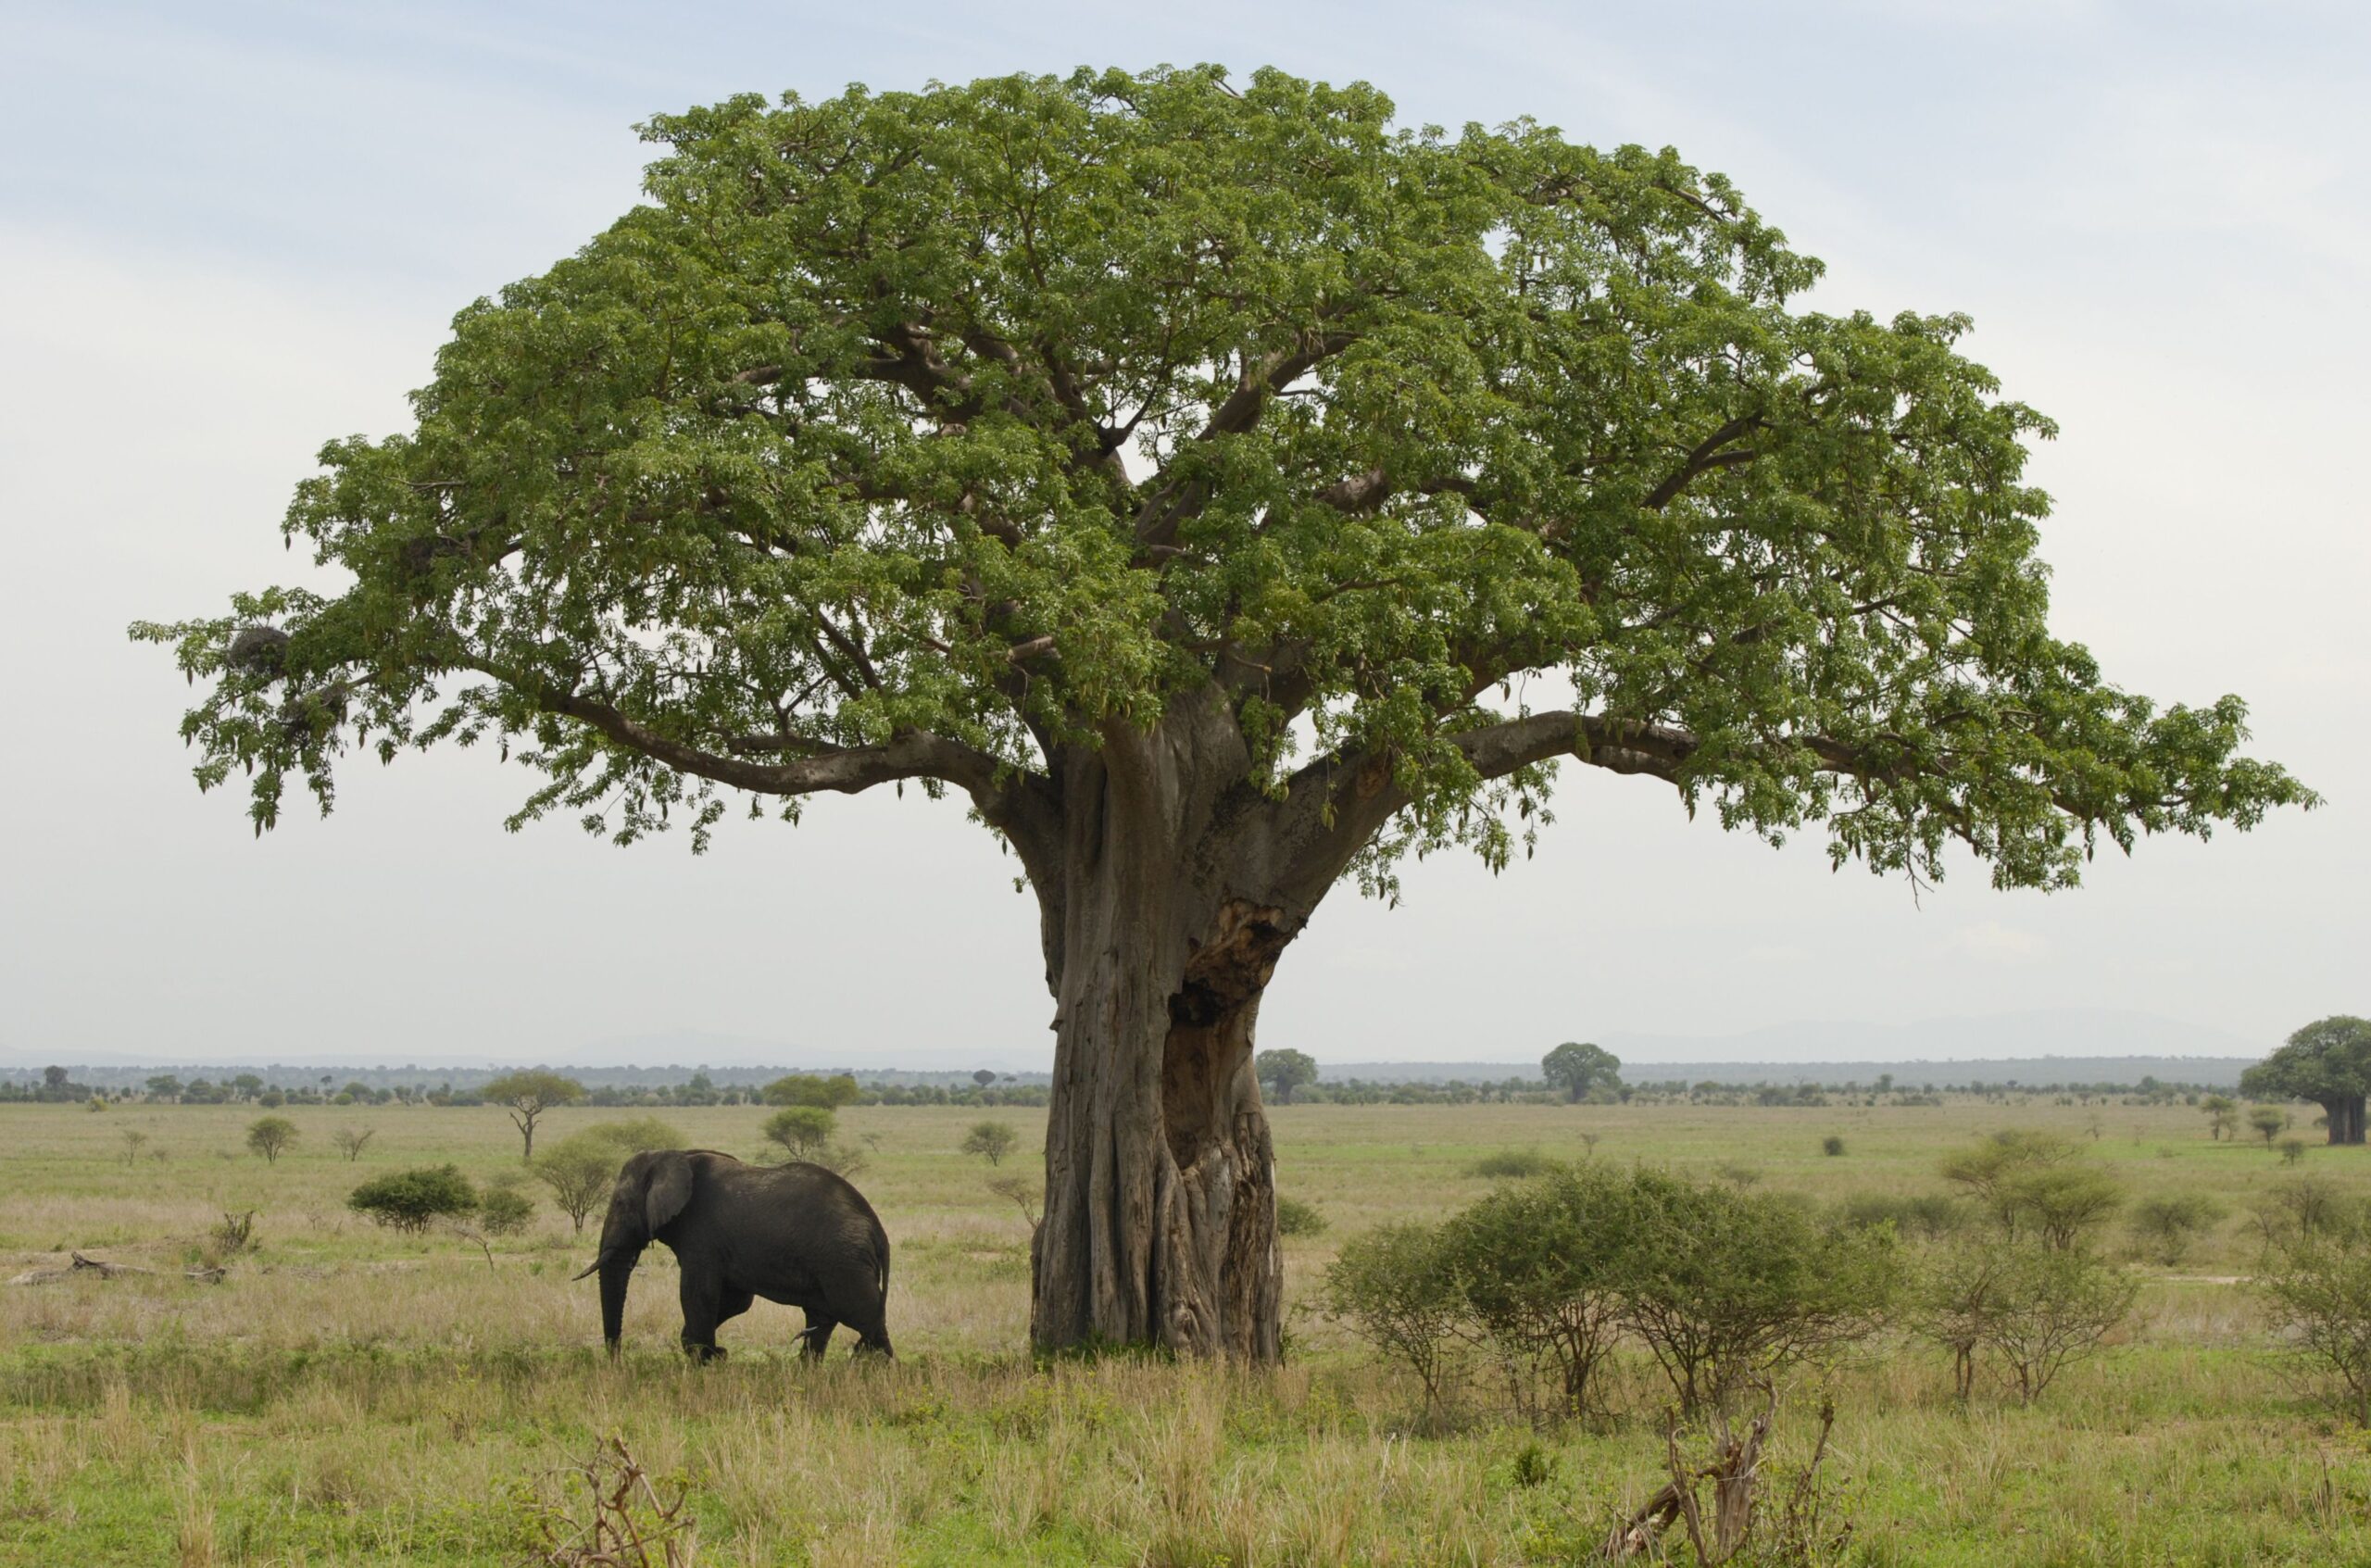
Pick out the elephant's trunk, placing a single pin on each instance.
(616, 1268)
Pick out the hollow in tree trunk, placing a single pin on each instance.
(1175, 895)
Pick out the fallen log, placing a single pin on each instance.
(196, 1273)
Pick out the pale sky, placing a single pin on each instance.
(229, 232)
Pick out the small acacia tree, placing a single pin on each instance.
(271, 1136)
(528, 1096)
(412, 1200)
(2222, 1115)
(990, 1140)
(1284, 1070)
(1193, 476)
(802, 1131)
(2317, 1286)
(350, 1141)
(580, 1170)
(2267, 1121)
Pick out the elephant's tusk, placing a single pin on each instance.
(593, 1267)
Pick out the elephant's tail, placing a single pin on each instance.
(881, 1252)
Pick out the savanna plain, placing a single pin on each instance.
(348, 1394)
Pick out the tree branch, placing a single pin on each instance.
(1705, 456)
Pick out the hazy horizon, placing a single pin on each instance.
(237, 233)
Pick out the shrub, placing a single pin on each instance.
(235, 1235)
(270, 1137)
(1926, 1216)
(410, 1200)
(1737, 1174)
(1512, 1164)
(637, 1135)
(349, 1142)
(2293, 1151)
(2049, 1306)
(2028, 1181)
(1296, 1218)
(990, 1140)
(580, 1170)
(2268, 1120)
(2318, 1289)
(1394, 1288)
(502, 1210)
(2164, 1227)
(1831, 1146)
(1725, 1286)
(1545, 1268)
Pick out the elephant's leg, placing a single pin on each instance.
(867, 1316)
(818, 1337)
(703, 1306)
(732, 1304)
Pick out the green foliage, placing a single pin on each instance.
(528, 1096)
(1396, 1288)
(2033, 1306)
(2050, 1306)
(2164, 1227)
(536, 1089)
(1548, 1271)
(2034, 1182)
(990, 1140)
(1284, 1069)
(1730, 1284)
(1580, 1069)
(813, 471)
(802, 1131)
(635, 1135)
(2268, 1121)
(1296, 1218)
(1512, 1164)
(411, 1201)
(2222, 1115)
(2327, 1060)
(1722, 1286)
(2293, 1151)
(810, 1089)
(2317, 1286)
(580, 1170)
(271, 1136)
(1925, 1216)
(1832, 1146)
(502, 1210)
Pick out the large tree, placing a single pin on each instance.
(2328, 1062)
(1228, 491)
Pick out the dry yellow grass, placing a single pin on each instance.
(353, 1396)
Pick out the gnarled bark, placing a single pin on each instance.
(1162, 928)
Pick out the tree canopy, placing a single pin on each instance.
(2328, 1062)
(1284, 1070)
(1230, 491)
(913, 434)
(1578, 1068)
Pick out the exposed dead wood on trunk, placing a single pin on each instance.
(1717, 1532)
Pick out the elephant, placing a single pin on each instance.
(797, 1234)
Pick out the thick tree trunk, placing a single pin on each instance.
(2345, 1119)
(1161, 933)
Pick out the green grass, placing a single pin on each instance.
(351, 1396)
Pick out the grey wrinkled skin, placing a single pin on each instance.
(795, 1233)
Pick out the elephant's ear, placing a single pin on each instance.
(669, 1188)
